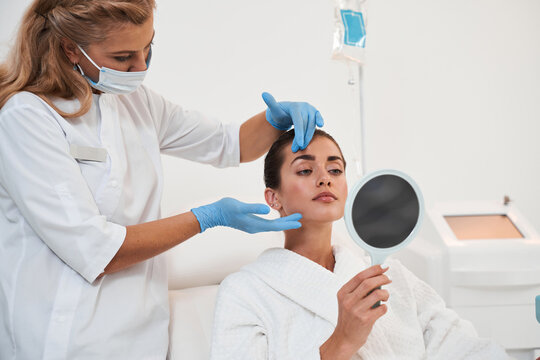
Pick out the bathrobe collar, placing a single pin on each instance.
(304, 281)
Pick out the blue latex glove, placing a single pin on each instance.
(236, 214)
(284, 114)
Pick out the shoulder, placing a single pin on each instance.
(27, 104)
(248, 283)
(241, 282)
(152, 104)
(27, 113)
(241, 292)
(237, 279)
(24, 100)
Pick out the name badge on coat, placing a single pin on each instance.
(88, 153)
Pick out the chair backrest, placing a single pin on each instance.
(209, 257)
(190, 328)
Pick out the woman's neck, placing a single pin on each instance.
(313, 241)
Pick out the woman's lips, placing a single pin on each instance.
(325, 197)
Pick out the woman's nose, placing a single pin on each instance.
(139, 63)
(325, 180)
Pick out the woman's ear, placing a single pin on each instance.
(272, 199)
(71, 50)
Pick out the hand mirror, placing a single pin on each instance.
(383, 213)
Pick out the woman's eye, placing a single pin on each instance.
(122, 58)
(335, 171)
(304, 172)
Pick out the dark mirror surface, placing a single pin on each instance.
(385, 211)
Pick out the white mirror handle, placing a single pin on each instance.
(377, 258)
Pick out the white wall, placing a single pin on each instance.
(453, 97)
(451, 91)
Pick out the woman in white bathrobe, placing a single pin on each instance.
(312, 300)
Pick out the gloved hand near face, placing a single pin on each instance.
(238, 215)
(284, 114)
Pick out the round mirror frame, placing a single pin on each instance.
(378, 255)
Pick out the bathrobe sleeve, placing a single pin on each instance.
(238, 331)
(446, 335)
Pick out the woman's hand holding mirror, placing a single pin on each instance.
(383, 213)
(357, 313)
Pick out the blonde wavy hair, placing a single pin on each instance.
(37, 62)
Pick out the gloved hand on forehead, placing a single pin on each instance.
(284, 114)
(238, 215)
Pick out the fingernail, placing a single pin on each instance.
(384, 267)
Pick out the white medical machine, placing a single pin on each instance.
(484, 260)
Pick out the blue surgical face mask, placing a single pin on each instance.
(116, 82)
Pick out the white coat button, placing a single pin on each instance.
(60, 318)
(114, 183)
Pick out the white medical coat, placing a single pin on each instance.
(63, 220)
(284, 306)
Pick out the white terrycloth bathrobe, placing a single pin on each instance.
(284, 306)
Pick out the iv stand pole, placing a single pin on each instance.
(356, 81)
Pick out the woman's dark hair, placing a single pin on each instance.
(274, 159)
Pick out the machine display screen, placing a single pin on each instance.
(476, 227)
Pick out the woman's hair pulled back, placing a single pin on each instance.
(37, 62)
(275, 157)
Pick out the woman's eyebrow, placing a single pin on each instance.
(304, 157)
(133, 51)
(312, 158)
(335, 158)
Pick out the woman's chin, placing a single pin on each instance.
(320, 219)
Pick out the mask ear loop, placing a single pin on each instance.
(88, 57)
(77, 66)
(80, 68)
